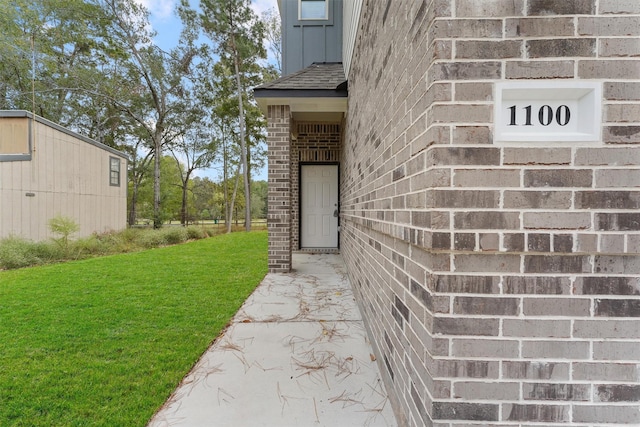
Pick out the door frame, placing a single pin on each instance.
(300, 165)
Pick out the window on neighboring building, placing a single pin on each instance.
(313, 9)
(15, 135)
(114, 171)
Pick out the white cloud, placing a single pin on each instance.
(260, 6)
(160, 9)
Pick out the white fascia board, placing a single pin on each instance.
(313, 105)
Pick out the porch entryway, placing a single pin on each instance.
(305, 115)
(319, 214)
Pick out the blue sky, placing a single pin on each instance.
(168, 26)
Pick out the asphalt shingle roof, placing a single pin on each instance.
(317, 76)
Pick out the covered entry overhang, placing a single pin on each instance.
(318, 91)
(305, 112)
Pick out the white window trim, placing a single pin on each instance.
(326, 12)
(111, 170)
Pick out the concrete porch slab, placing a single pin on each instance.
(296, 354)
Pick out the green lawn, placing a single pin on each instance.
(104, 341)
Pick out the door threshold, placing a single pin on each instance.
(318, 250)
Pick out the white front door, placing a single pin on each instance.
(319, 200)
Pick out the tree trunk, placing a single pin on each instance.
(134, 203)
(225, 185)
(233, 200)
(243, 142)
(185, 191)
(157, 217)
(183, 208)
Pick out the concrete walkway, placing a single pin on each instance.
(296, 354)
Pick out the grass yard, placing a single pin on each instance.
(104, 341)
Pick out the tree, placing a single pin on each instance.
(47, 47)
(225, 120)
(97, 71)
(170, 192)
(230, 167)
(273, 35)
(138, 169)
(204, 198)
(259, 192)
(238, 35)
(155, 77)
(18, 23)
(194, 149)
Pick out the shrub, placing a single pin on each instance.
(196, 233)
(174, 235)
(16, 252)
(63, 227)
(152, 239)
(46, 251)
(114, 242)
(92, 245)
(130, 235)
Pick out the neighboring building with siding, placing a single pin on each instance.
(47, 170)
(498, 272)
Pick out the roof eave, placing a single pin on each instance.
(298, 93)
(319, 104)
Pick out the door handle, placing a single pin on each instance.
(335, 213)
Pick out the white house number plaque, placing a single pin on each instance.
(555, 111)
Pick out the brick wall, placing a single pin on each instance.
(500, 283)
(279, 194)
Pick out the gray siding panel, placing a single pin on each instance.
(313, 36)
(306, 42)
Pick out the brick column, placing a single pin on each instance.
(279, 195)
